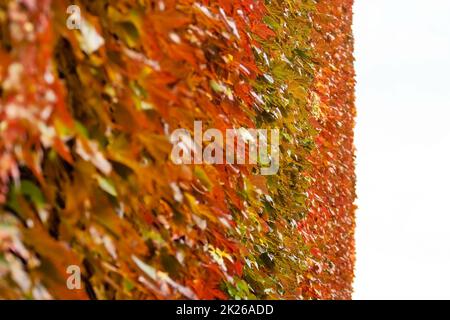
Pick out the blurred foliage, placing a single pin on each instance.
(85, 172)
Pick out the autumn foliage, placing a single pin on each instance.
(85, 172)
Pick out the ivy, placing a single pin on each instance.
(85, 172)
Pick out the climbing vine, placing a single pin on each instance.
(86, 177)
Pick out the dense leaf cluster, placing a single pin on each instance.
(86, 177)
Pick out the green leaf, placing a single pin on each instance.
(107, 186)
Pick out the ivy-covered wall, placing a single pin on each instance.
(86, 177)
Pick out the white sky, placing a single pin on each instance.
(403, 141)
